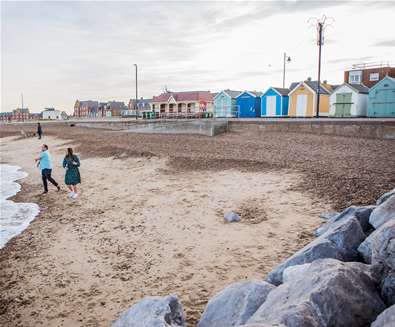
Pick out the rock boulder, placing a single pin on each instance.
(383, 213)
(324, 293)
(386, 318)
(340, 242)
(385, 197)
(153, 311)
(234, 305)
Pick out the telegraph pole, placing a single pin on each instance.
(321, 24)
(136, 106)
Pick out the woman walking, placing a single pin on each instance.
(72, 177)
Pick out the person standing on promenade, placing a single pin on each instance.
(45, 162)
(39, 131)
(72, 177)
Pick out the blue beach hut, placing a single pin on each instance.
(225, 103)
(274, 102)
(381, 99)
(249, 104)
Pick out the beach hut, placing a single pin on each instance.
(225, 103)
(303, 99)
(274, 102)
(349, 100)
(249, 104)
(381, 99)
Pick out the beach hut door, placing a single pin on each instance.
(343, 104)
(271, 105)
(301, 104)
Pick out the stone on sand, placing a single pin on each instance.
(153, 311)
(231, 217)
(326, 292)
(340, 242)
(234, 305)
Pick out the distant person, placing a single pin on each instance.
(45, 163)
(39, 131)
(71, 163)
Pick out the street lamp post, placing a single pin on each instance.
(135, 105)
(285, 61)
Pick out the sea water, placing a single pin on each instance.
(14, 217)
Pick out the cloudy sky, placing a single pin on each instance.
(57, 52)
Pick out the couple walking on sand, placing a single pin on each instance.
(70, 162)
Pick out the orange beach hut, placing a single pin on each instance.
(303, 99)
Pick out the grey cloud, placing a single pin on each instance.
(386, 43)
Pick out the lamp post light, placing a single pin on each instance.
(135, 104)
(287, 59)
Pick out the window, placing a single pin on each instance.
(374, 77)
(355, 77)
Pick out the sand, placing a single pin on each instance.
(140, 229)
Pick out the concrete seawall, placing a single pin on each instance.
(378, 129)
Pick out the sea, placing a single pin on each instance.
(14, 217)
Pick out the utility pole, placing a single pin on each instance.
(285, 61)
(22, 100)
(136, 107)
(321, 25)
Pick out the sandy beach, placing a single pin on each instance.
(146, 225)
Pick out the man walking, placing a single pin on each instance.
(45, 162)
(39, 131)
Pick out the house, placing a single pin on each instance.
(87, 108)
(349, 100)
(5, 116)
(51, 114)
(115, 108)
(381, 99)
(183, 102)
(142, 104)
(20, 114)
(274, 102)
(225, 103)
(303, 99)
(249, 104)
(368, 74)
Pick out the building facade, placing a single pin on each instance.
(381, 99)
(368, 74)
(51, 114)
(274, 102)
(225, 103)
(249, 104)
(349, 100)
(303, 99)
(183, 102)
(84, 109)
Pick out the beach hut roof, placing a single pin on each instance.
(252, 93)
(359, 88)
(313, 85)
(281, 91)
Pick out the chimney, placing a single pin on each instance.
(309, 79)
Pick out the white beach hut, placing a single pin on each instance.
(349, 100)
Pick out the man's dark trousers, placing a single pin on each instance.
(46, 175)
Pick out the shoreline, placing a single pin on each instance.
(82, 263)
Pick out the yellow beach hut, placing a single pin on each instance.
(303, 99)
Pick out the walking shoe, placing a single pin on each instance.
(58, 187)
(71, 194)
(75, 195)
(45, 192)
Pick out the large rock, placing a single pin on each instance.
(235, 304)
(388, 288)
(360, 213)
(386, 318)
(383, 213)
(383, 246)
(384, 234)
(324, 293)
(328, 215)
(153, 312)
(340, 242)
(385, 197)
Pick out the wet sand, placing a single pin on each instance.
(142, 227)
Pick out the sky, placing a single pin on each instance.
(57, 52)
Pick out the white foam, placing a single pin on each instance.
(14, 217)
